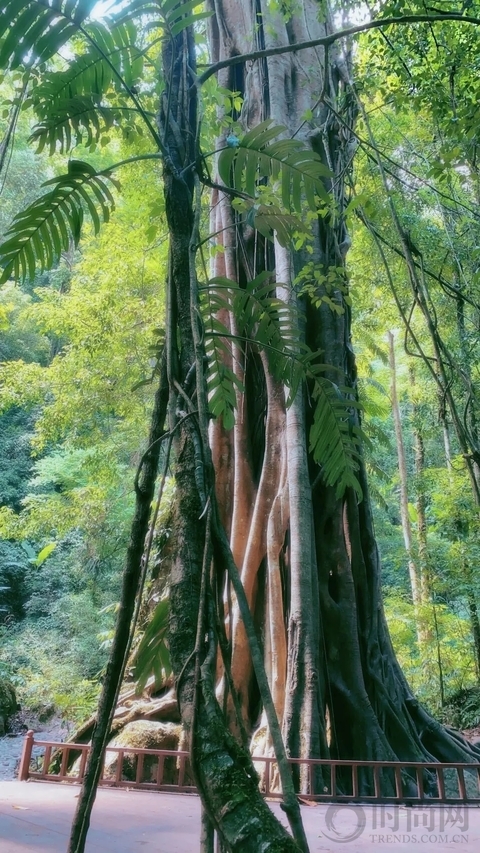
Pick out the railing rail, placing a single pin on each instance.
(327, 780)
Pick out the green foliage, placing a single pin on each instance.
(20, 338)
(54, 655)
(41, 28)
(89, 344)
(46, 679)
(16, 430)
(13, 568)
(455, 646)
(54, 221)
(75, 106)
(271, 324)
(261, 318)
(152, 656)
(169, 15)
(462, 710)
(299, 170)
(335, 437)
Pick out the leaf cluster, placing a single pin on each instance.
(32, 31)
(50, 224)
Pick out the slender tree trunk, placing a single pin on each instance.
(470, 416)
(413, 571)
(429, 622)
(145, 487)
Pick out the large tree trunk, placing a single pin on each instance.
(341, 672)
(224, 773)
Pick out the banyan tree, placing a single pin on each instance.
(276, 619)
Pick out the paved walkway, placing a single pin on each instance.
(36, 816)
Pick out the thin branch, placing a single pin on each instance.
(136, 159)
(448, 288)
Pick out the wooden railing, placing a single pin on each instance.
(150, 769)
(323, 780)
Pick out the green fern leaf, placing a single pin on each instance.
(46, 228)
(262, 320)
(267, 322)
(152, 656)
(38, 28)
(271, 222)
(335, 437)
(71, 105)
(222, 382)
(77, 121)
(300, 170)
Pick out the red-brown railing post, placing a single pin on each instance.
(24, 769)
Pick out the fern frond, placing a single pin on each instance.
(47, 227)
(152, 656)
(97, 70)
(299, 169)
(272, 222)
(267, 322)
(32, 31)
(78, 121)
(260, 318)
(335, 438)
(70, 105)
(221, 380)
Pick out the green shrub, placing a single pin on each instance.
(462, 711)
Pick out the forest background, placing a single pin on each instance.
(79, 347)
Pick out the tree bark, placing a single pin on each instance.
(224, 773)
(341, 665)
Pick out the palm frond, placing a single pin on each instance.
(32, 31)
(47, 227)
(152, 656)
(113, 55)
(255, 156)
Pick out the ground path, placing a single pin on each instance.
(35, 817)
